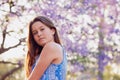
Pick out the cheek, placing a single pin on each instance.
(35, 38)
(49, 34)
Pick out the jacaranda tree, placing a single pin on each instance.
(89, 30)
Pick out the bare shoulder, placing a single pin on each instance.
(52, 52)
(53, 46)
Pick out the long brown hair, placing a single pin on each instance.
(33, 48)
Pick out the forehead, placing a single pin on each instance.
(38, 24)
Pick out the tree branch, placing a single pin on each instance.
(4, 35)
(2, 50)
(4, 62)
(12, 71)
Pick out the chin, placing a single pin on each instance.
(42, 44)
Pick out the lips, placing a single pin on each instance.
(41, 39)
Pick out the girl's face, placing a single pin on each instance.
(42, 34)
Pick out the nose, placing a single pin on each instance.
(39, 33)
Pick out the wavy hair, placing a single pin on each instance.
(33, 48)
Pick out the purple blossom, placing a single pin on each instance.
(117, 59)
(48, 12)
(117, 31)
(77, 67)
(80, 10)
(82, 49)
(103, 59)
(67, 6)
(111, 17)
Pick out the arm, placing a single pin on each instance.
(48, 54)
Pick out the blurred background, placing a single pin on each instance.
(89, 29)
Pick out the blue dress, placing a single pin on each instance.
(55, 71)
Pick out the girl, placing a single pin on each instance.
(46, 58)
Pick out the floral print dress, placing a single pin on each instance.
(55, 71)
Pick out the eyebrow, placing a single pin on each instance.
(33, 30)
(38, 28)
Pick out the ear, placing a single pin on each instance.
(53, 31)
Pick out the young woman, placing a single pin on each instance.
(46, 58)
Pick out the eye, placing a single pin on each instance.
(42, 29)
(35, 32)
